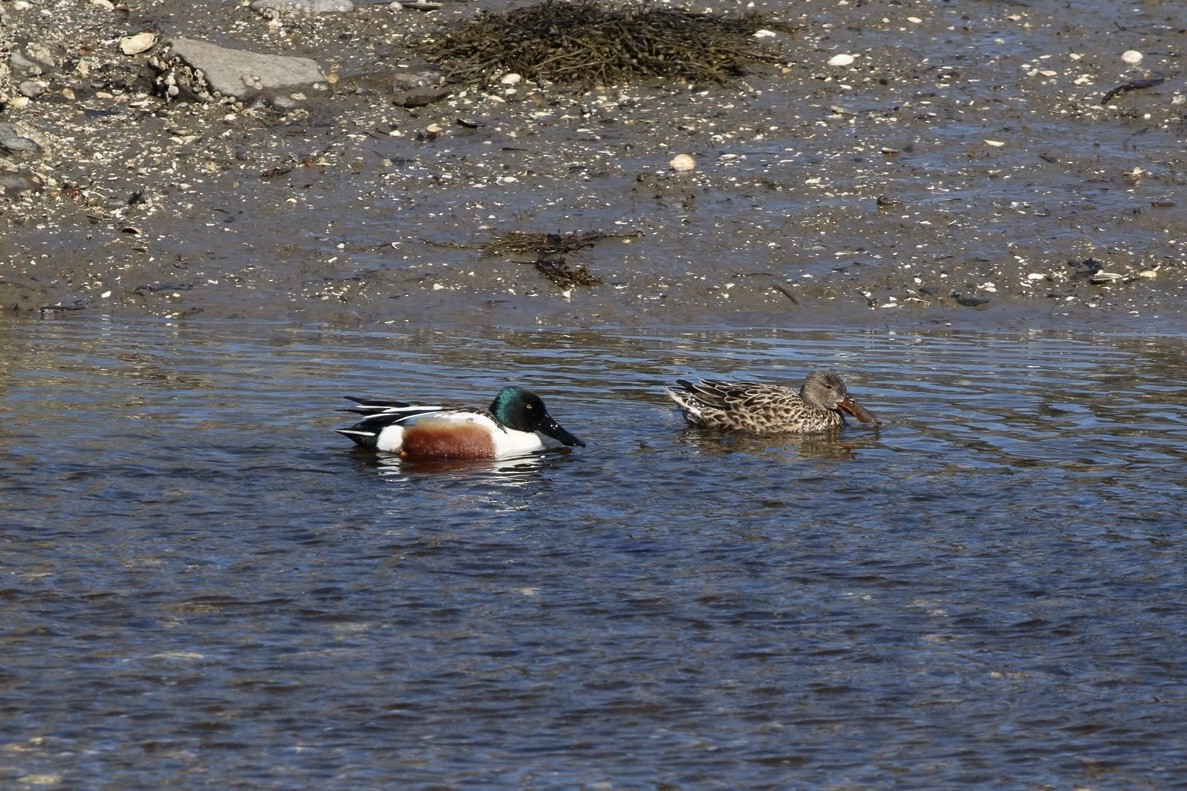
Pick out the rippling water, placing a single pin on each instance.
(203, 586)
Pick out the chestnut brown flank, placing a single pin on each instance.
(447, 440)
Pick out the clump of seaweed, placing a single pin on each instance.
(524, 242)
(550, 250)
(585, 43)
(557, 269)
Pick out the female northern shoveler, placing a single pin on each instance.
(516, 424)
(819, 405)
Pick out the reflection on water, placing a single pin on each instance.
(486, 471)
(202, 583)
(841, 445)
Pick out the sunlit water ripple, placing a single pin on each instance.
(204, 586)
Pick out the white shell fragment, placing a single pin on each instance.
(841, 60)
(1105, 277)
(683, 163)
(141, 42)
(1132, 57)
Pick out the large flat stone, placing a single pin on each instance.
(242, 74)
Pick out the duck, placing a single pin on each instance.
(820, 404)
(516, 424)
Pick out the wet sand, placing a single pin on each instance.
(963, 169)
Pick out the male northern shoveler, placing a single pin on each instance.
(516, 424)
(819, 405)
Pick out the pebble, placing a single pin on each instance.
(683, 163)
(511, 79)
(31, 89)
(841, 60)
(1132, 57)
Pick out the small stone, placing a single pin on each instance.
(683, 163)
(841, 60)
(31, 89)
(511, 79)
(141, 42)
(1132, 57)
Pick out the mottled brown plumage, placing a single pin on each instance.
(820, 405)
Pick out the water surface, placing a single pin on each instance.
(204, 586)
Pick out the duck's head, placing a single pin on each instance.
(522, 410)
(826, 390)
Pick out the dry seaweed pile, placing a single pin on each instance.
(584, 43)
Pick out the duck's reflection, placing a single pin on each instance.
(394, 464)
(830, 445)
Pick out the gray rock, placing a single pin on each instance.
(13, 183)
(420, 97)
(417, 88)
(32, 88)
(304, 6)
(5, 54)
(242, 74)
(15, 141)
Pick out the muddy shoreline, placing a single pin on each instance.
(959, 166)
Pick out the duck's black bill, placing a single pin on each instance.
(557, 432)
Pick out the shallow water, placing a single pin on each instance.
(204, 586)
